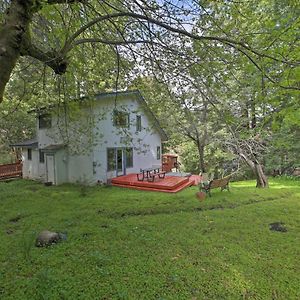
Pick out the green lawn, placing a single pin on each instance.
(127, 244)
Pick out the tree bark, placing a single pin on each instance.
(257, 169)
(261, 178)
(12, 34)
(201, 141)
(15, 40)
(200, 148)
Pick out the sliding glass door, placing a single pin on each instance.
(121, 168)
(119, 160)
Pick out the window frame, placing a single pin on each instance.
(120, 113)
(29, 154)
(111, 165)
(138, 123)
(41, 156)
(158, 152)
(127, 149)
(45, 121)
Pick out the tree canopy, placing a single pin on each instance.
(227, 72)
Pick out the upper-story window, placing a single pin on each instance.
(44, 121)
(121, 119)
(158, 152)
(138, 123)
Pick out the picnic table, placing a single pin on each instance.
(150, 174)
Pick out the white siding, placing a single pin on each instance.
(144, 143)
(89, 163)
(33, 169)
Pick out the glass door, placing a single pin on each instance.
(120, 164)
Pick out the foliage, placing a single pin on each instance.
(116, 248)
(16, 124)
(216, 73)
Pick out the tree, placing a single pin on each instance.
(15, 125)
(27, 30)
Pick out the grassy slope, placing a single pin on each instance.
(126, 244)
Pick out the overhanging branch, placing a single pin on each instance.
(226, 41)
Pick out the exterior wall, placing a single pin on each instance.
(89, 164)
(33, 169)
(80, 169)
(49, 136)
(144, 143)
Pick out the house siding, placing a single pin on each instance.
(33, 169)
(144, 143)
(86, 159)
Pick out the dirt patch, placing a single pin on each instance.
(16, 219)
(9, 231)
(168, 211)
(277, 226)
(104, 226)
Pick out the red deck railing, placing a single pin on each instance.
(11, 170)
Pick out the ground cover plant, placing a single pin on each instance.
(127, 244)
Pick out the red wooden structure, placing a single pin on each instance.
(169, 184)
(169, 162)
(11, 170)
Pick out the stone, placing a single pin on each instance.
(278, 226)
(47, 238)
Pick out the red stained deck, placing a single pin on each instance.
(196, 179)
(169, 184)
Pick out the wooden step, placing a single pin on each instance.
(171, 184)
(177, 189)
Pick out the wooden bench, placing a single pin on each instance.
(215, 183)
(160, 175)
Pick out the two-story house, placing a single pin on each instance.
(93, 140)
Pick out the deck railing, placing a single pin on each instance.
(11, 170)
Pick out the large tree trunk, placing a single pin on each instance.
(257, 169)
(261, 178)
(12, 35)
(15, 40)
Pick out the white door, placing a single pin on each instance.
(50, 168)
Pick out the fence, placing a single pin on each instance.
(11, 170)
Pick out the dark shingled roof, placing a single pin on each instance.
(32, 143)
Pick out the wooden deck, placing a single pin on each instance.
(11, 170)
(169, 184)
(196, 179)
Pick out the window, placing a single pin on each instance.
(42, 156)
(158, 152)
(44, 121)
(29, 154)
(121, 119)
(138, 123)
(111, 159)
(129, 157)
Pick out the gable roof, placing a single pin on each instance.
(136, 93)
(143, 103)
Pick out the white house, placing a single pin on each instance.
(93, 140)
